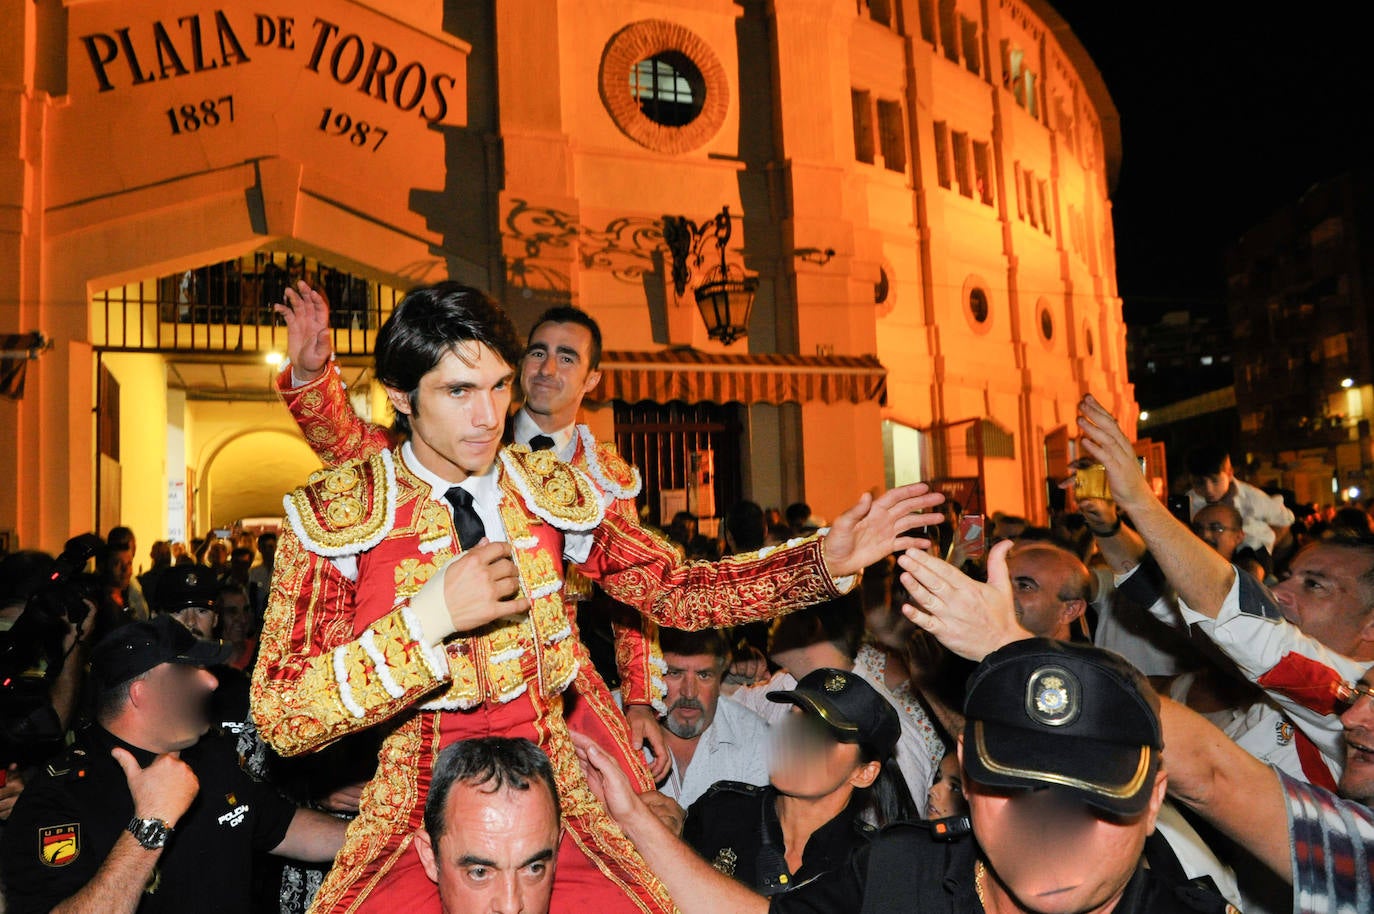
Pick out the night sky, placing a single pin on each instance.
(1228, 113)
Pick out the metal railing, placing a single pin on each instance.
(227, 307)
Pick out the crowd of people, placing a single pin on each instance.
(467, 673)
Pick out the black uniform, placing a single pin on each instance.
(67, 821)
(735, 827)
(909, 867)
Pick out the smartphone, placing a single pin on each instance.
(973, 536)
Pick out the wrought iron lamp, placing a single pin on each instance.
(725, 294)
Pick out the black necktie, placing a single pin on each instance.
(541, 443)
(465, 520)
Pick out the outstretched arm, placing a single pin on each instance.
(1199, 574)
(1226, 785)
(695, 886)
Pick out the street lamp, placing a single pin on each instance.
(725, 295)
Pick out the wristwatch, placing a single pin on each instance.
(151, 833)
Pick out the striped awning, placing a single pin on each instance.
(710, 377)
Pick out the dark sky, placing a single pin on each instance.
(1228, 113)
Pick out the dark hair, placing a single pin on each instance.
(690, 644)
(433, 320)
(266, 536)
(569, 314)
(839, 621)
(876, 585)
(744, 523)
(232, 588)
(501, 761)
(1206, 460)
(887, 799)
(797, 513)
(119, 538)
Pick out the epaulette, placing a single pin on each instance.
(738, 788)
(615, 475)
(68, 765)
(556, 492)
(347, 509)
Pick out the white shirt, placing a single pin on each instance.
(523, 428)
(1260, 512)
(733, 748)
(913, 756)
(486, 501)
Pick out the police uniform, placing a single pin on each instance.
(67, 821)
(735, 827)
(916, 866)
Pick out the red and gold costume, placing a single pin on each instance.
(343, 649)
(337, 435)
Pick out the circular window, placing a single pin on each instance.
(978, 306)
(663, 86)
(1046, 325)
(669, 89)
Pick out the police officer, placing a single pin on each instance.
(832, 782)
(1062, 770)
(145, 812)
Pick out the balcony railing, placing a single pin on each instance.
(227, 307)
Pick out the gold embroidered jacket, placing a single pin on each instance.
(337, 435)
(342, 650)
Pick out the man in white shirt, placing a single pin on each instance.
(709, 740)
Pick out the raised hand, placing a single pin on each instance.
(309, 343)
(164, 790)
(878, 527)
(970, 618)
(482, 585)
(1106, 443)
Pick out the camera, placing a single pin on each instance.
(32, 653)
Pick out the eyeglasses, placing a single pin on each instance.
(1347, 693)
(1214, 529)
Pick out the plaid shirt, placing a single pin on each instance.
(1333, 850)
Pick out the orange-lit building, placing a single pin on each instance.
(920, 189)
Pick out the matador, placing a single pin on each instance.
(420, 589)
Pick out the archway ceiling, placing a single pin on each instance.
(240, 380)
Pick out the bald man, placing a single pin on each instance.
(1051, 588)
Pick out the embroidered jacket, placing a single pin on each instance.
(337, 435)
(342, 648)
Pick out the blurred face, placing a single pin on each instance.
(175, 695)
(1217, 528)
(556, 372)
(693, 686)
(1357, 781)
(267, 548)
(497, 852)
(809, 763)
(1038, 576)
(946, 795)
(1052, 852)
(1324, 596)
(455, 430)
(201, 620)
(216, 554)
